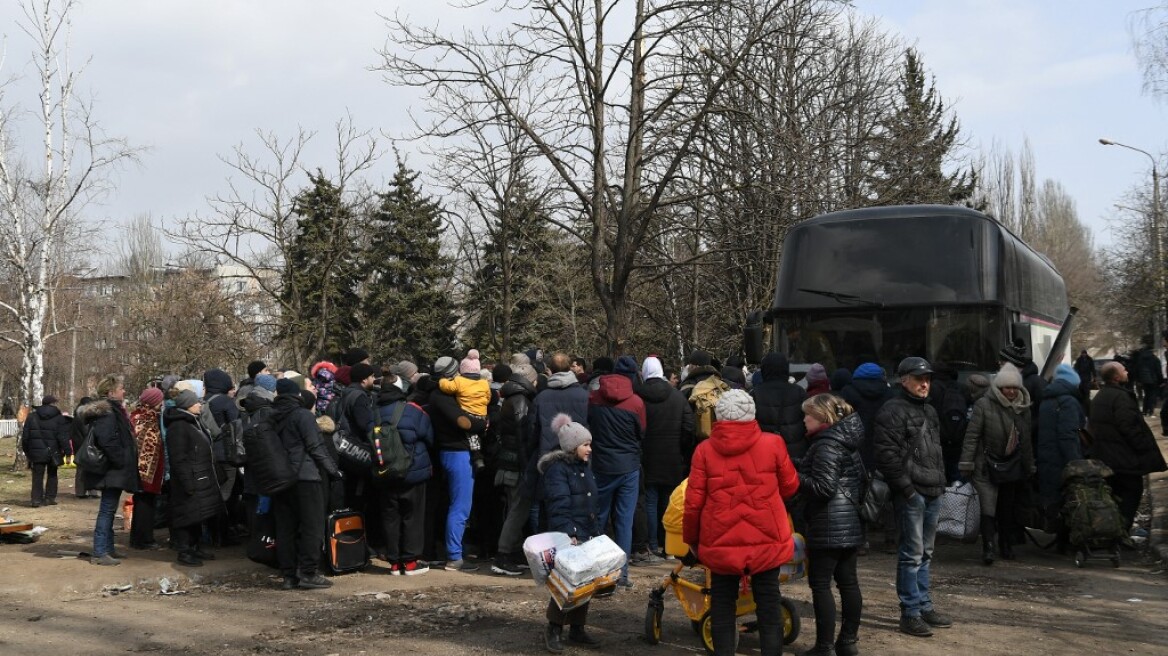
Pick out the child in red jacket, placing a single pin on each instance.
(735, 519)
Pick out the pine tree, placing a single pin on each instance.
(409, 307)
(321, 276)
(919, 137)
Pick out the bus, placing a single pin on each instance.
(946, 283)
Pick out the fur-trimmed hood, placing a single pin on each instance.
(95, 409)
(552, 456)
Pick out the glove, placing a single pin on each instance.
(690, 558)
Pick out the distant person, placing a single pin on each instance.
(1149, 374)
(45, 442)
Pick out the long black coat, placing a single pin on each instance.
(779, 405)
(45, 437)
(1123, 440)
(114, 436)
(669, 423)
(194, 490)
(831, 467)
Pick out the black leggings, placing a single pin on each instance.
(840, 564)
(723, 602)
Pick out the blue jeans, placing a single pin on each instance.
(618, 494)
(103, 530)
(917, 519)
(460, 479)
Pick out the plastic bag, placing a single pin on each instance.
(596, 557)
(540, 551)
(960, 513)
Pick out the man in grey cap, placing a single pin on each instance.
(907, 434)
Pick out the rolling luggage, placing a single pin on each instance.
(344, 545)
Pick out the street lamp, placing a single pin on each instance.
(1157, 245)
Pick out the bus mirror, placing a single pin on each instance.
(752, 342)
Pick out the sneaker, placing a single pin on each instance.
(503, 567)
(149, 546)
(915, 626)
(314, 582)
(34, 504)
(105, 560)
(935, 619)
(414, 568)
(119, 555)
(460, 565)
(395, 569)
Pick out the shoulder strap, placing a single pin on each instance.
(397, 413)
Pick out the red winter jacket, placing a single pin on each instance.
(734, 507)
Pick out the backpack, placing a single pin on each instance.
(229, 436)
(1089, 506)
(393, 458)
(953, 413)
(703, 398)
(354, 456)
(268, 463)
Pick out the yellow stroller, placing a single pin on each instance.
(693, 592)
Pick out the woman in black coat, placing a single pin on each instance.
(832, 477)
(194, 489)
(107, 420)
(669, 423)
(45, 441)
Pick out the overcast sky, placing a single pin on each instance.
(189, 79)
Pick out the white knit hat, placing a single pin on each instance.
(1008, 376)
(735, 405)
(570, 433)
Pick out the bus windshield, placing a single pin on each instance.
(962, 337)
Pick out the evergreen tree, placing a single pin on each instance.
(409, 307)
(918, 138)
(321, 276)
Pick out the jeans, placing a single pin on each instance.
(617, 493)
(724, 600)
(44, 482)
(460, 477)
(103, 529)
(656, 501)
(300, 525)
(823, 566)
(917, 518)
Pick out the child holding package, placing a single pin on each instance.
(570, 500)
(474, 396)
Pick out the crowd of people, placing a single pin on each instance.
(499, 451)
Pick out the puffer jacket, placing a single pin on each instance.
(1059, 418)
(867, 396)
(669, 423)
(1123, 440)
(114, 436)
(989, 429)
(194, 490)
(832, 481)
(417, 433)
(221, 406)
(908, 446)
(301, 439)
(45, 436)
(569, 494)
(616, 418)
(734, 508)
(515, 442)
(779, 404)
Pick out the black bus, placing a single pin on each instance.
(943, 282)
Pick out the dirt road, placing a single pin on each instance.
(49, 604)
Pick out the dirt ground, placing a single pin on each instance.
(52, 603)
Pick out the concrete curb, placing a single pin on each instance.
(1158, 498)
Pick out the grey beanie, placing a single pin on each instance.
(527, 372)
(405, 369)
(445, 366)
(735, 405)
(570, 434)
(185, 399)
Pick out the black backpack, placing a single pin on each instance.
(229, 436)
(954, 413)
(268, 463)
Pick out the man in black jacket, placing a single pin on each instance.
(45, 442)
(515, 446)
(908, 453)
(779, 404)
(300, 510)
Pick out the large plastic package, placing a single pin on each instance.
(582, 563)
(540, 551)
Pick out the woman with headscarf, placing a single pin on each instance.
(151, 467)
(669, 423)
(998, 431)
(194, 488)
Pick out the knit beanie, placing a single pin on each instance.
(1067, 373)
(285, 386)
(343, 375)
(603, 365)
(1008, 376)
(501, 373)
(735, 405)
(627, 364)
(405, 370)
(294, 376)
(868, 371)
(185, 399)
(978, 384)
(266, 381)
(651, 368)
(151, 396)
(570, 433)
(519, 358)
(699, 359)
(445, 366)
(816, 374)
(1015, 354)
(360, 372)
(470, 364)
(355, 355)
(255, 367)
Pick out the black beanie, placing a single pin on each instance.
(354, 356)
(700, 359)
(285, 386)
(360, 372)
(254, 368)
(501, 373)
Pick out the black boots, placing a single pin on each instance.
(578, 636)
(553, 638)
(988, 531)
(846, 646)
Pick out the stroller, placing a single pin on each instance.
(1091, 512)
(693, 591)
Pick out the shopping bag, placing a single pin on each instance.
(960, 513)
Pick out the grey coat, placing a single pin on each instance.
(989, 429)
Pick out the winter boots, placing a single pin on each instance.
(988, 533)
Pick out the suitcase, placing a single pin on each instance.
(261, 539)
(345, 547)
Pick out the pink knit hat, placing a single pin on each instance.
(151, 396)
(470, 364)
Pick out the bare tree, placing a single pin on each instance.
(1149, 33)
(43, 193)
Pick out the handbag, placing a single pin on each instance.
(873, 499)
(960, 514)
(90, 458)
(1007, 469)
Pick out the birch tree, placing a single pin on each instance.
(44, 187)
